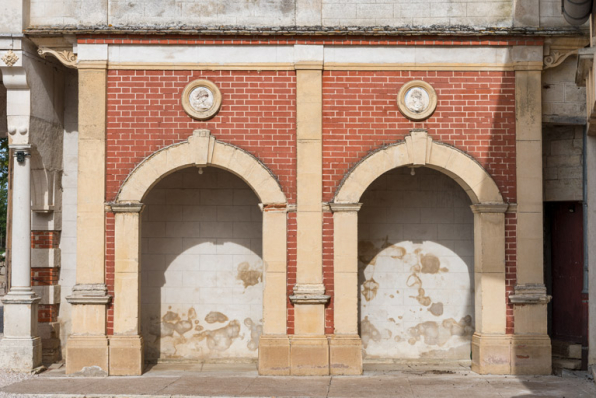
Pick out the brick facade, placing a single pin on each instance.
(475, 113)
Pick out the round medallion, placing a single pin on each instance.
(417, 100)
(201, 99)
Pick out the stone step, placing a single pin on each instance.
(565, 349)
(560, 363)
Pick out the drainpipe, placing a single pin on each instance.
(576, 12)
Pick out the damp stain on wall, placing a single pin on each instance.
(250, 275)
(215, 317)
(255, 333)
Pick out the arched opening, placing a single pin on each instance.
(416, 268)
(201, 268)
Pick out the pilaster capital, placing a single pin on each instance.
(89, 293)
(125, 207)
(273, 207)
(21, 147)
(309, 293)
(21, 295)
(530, 293)
(490, 207)
(345, 207)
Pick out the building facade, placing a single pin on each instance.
(309, 185)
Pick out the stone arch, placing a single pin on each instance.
(419, 150)
(201, 150)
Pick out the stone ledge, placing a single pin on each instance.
(93, 293)
(530, 294)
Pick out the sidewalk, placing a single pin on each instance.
(166, 381)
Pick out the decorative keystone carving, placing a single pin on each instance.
(309, 294)
(10, 58)
(531, 293)
(418, 144)
(66, 57)
(91, 293)
(556, 58)
(202, 144)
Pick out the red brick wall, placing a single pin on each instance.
(475, 113)
(510, 264)
(257, 114)
(45, 239)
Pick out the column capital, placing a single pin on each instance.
(345, 207)
(89, 293)
(490, 207)
(126, 207)
(20, 147)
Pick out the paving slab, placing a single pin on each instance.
(242, 381)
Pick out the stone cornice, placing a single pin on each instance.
(531, 293)
(435, 30)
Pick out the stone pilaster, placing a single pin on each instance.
(126, 345)
(309, 346)
(529, 298)
(88, 344)
(345, 347)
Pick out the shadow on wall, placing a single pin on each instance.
(201, 267)
(416, 267)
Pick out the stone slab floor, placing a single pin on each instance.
(241, 380)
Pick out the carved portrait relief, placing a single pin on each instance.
(201, 99)
(417, 100)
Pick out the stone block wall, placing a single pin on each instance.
(416, 267)
(562, 160)
(562, 100)
(202, 271)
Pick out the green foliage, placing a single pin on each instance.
(4, 159)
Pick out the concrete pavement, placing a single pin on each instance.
(241, 380)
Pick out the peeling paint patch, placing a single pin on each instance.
(436, 309)
(368, 332)
(422, 299)
(215, 317)
(249, 275)
(221, 339)
(369, 289)
(255, 333)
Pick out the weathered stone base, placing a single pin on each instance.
(491, 354)
(50, 342)
(85, 352)
(20, 354)
(511, 354)
(345, 355)
(126, 355)
(274, 355)
(531, 355)
(309, 355)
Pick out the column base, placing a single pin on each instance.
(87, 355)
(531, 355)
(345, 355)
(22, 354)
(126, 355)
(309, 356)
(274, 355)
(491, 354)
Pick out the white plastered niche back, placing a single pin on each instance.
(201, 266)
(415, 264)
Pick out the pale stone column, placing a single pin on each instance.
(274, 345)
(345, 348)
(309, 352)
(20, 349)
(126, 345)
(88, 344)
(531, 350)
(490, 344)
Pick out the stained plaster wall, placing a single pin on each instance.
(562, 162)
(297, 12)
(415, 257)
(201, 266)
